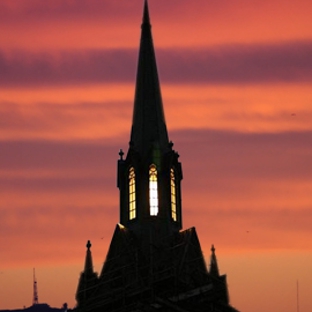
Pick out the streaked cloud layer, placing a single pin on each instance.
(236, 82)
(289, 62)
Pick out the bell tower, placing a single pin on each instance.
(149, 178)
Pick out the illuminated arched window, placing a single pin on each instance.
(132, 208)
(153, 191)
(173, 196)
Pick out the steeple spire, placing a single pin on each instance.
(146, 19)
(148, 125)
(88, 269)
(214, 270)
(88, 279)
(149, 178)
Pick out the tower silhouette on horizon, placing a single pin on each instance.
(35, 289)
(152, 264)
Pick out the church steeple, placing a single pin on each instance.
(151, 262)
(148, 125)
(88, 279)
(88, 269)
(149, 178)
(214, 269)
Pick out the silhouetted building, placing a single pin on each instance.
(152, 264)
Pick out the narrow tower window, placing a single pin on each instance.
(173, 196)
(132, 208)
(153, 191)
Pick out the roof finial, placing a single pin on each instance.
(213, 249)
(88, 262)
(88, 245)
(214, 270)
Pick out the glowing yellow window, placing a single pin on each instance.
(132, 208)
(173, 196)
(153, 191)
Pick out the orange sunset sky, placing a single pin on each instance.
(236, 80)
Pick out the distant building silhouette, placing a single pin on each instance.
(152, 264)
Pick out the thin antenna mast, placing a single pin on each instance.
(35, 298)
(297, 296)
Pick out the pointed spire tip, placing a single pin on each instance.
(146, 19)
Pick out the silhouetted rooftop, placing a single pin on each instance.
(41, 307)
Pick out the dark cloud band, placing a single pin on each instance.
(228, 64)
